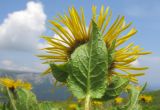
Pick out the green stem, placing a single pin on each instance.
(11, 100)
(87, 103)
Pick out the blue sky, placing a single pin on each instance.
(23, 21)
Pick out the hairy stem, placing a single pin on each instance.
(87, 103)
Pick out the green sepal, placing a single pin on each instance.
(111, 53)
(59, 72)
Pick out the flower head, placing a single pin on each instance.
(71, 32)
(13, 84)
(97, 103)
(146, 98)
(118, 100)
(72, 106)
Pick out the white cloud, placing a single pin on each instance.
(21, 29)
(43, 45)
(11, 65)
(7, 62)
(135, 63)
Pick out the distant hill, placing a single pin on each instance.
(43, 87)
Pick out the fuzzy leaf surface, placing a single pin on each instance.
(88, 67)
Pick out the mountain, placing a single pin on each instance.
(43, 87)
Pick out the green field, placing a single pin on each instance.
(154, 105)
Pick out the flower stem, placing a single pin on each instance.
(87, 103)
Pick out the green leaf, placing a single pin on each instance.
(47, 106)
(88, 67)
(144, 87)
(11, 100)
(59, 72)
(115, 88)
(133, 99)
(26, 100)
(5, 106)
(138, 107)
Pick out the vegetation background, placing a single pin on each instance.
(22, 22)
